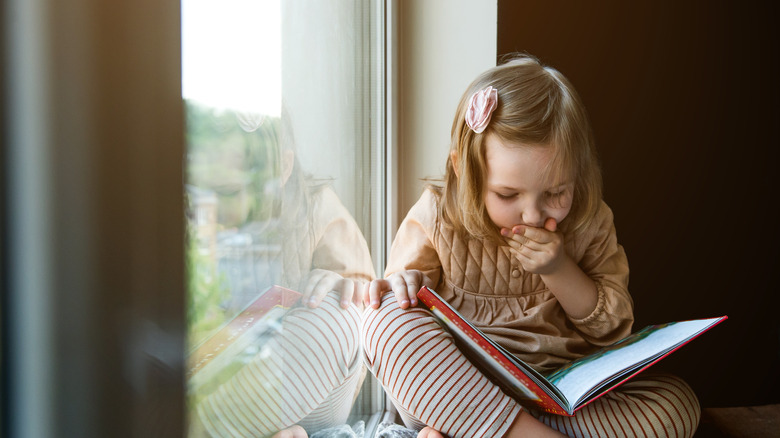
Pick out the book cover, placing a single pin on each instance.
(578, 383)
(238, 337)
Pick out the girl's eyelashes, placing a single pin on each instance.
(553, 197)
(547, 195)
(557, 199)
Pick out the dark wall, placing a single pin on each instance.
(683, 99)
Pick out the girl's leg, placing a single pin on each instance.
(307, 373)
(429, 380)
(646, 406)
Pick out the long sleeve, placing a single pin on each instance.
(413, 246)
(340, 245)
(605, 262)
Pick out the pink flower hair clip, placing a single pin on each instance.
(481, 107)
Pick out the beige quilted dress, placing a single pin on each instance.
(490, 288)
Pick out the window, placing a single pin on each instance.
(284, 186)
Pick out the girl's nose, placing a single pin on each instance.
(532, 216)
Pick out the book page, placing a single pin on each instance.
(578, 379)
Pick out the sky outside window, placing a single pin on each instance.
(231, 54)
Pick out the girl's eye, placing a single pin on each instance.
(558, 199)
(504, 197)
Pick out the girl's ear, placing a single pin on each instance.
(287, 164)
(454, 162)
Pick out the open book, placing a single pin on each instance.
(576, 384)
(238, 340)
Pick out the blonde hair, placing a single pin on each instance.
(538, 107)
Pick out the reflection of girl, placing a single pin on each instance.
(307, 374)
(519, 241)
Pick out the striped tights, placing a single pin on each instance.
(307, 373)
(432, 383)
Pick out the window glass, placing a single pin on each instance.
(283, 207)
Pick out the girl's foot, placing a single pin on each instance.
(429, 432)
(291, 432)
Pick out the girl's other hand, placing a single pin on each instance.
(539, 250)
(404, 284)
(321, 282)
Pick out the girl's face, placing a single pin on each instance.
(515, 191)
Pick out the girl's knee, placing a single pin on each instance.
(683, 397)
(390, 326)
(376, 321)
(669, 402)
(326, 331)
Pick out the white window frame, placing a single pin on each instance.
(433, 51)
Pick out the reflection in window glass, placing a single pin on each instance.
(279, 211)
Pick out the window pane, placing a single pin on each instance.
(281, 164)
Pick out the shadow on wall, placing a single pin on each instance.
(682, 99)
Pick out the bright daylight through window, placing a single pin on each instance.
(282, 211)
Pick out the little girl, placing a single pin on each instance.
(519, 241)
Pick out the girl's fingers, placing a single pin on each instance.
(346, 289)
(551, 225)
(375, 290)
(315, 291)
(517, 241)
(532, 245)
(401, 285)
(519, 255)
(404, 285)
(414, 281)
(513, 244)
(358, 288)
(310, 286)
(366, 294)
(540, 235)
(321, 282)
